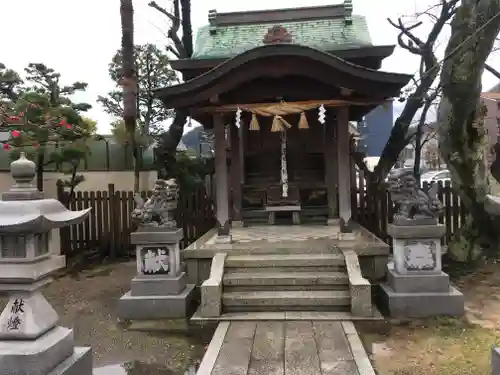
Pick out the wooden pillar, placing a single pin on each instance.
(344, 175)
(221, 179)
(330, 155)
(236, 172)
(242, 132)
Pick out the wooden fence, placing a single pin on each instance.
(107, 231)
(375, 208)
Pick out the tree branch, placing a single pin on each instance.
(415, 101)
(492, 70)
(413, 39)
(174, 29)
(173, 51)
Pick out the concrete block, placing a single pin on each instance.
(359, 287)
(211, 299)
(79, 363)
(495, 361)
(156, 235)
(361, 299)
(211, 289)
(34, 313)
(36, 357)
(422, 305)
(156, 307)
(31, 272)
(415, 283)
(192, 271)
(373, 267)
(416, 231)
(158, 285)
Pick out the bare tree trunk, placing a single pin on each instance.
(169, 141)
(462, 134)
(187, 27)
(418, 151)
(183, 49)
(129, 81)
(40, 161)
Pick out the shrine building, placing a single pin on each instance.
(279, 88)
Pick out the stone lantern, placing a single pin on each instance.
(31, 341)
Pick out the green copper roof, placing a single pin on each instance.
(324, 35)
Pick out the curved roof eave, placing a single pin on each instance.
(379, 52)
(209, 78)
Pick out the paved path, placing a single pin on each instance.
(286, 348)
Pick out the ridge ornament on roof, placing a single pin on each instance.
(277, 35)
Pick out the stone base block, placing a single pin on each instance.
(79, 363)
(418, 283)
(156, 307)
(495, 361)
(36, 357)
(27, 273)
(155, 235)
(157, 285)
(421, 305)
(334, 222)
(237, 224)
(223, 239)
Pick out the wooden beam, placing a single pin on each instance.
(214, 99)
(221, 178)
(344, 176)
(236, 172)
(331, 159)
(242, 132)
(326, 103)
(264, 90)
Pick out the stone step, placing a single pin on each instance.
(278, 288)
(284, 260)
(286, 299)
(273, 309)
(263, 278)
(281, 249)
(285, 270)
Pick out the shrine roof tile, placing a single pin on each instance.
(323, 35)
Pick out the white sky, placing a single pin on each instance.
(78, 38)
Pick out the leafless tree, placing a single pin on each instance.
(440, 14)
(182, 48)
(462, 133)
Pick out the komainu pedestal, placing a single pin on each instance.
(160, 289)
(416, 285)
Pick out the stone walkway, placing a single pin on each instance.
(280, 233)
(286, 348)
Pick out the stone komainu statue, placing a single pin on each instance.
(411, 201)
(158, 210)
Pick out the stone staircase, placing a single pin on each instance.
(286, 280)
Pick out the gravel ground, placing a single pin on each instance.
(442, 346)
(86, 302)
